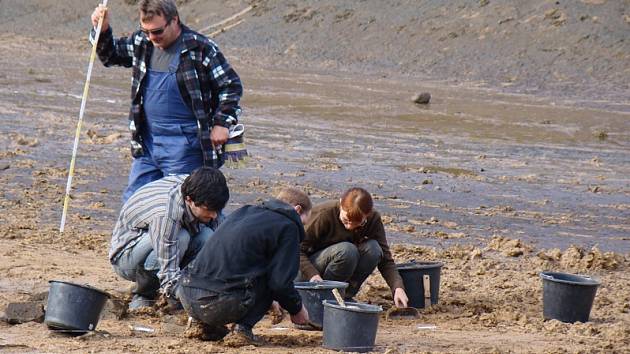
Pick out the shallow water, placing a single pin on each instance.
(491, 164)
(470, 165)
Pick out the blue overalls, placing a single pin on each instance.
(171, 143)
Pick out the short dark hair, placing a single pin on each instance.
(295, 197)
(150, 8)
(207, 187)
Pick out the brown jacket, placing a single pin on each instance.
(325, 229)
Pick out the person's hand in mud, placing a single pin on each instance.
(99, 12)
(400, 298)
(300, 318)
(316, 278)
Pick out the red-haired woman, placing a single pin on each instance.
(345, 240)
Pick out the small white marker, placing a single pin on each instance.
(141, 329)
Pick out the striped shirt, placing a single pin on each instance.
(159, 209)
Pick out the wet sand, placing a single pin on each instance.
(460, 180)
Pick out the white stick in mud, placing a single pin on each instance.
(86, 88)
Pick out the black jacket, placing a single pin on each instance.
(255, 243)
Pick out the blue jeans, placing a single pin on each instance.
(345, 261)
(138, 262)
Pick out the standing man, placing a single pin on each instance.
(250, 261)
(345, 240)
(162, 227)
(184, 94)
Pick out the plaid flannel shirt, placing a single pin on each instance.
(209, 85)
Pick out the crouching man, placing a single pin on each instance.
(250, 261)
(162, 227)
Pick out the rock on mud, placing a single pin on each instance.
(422, 98)
(22, 312)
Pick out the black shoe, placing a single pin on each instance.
(215, 333)
(140, 302)
(245, 331)
(175, 305)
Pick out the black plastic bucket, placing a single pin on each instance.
(413, 273)
(314, 293)
(351, 328)
(74, 308)
(568, 297)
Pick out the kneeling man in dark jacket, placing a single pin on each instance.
(250, 261)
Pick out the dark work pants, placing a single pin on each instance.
(345, 261)
(214, 308)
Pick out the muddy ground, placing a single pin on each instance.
(574, 52)
(497, 185)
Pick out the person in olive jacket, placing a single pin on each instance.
(250, 261)
(345, 240)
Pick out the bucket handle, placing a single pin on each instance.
(426, 282)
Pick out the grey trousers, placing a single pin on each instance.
(345, 261)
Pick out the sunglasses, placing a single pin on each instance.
(155, 32)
